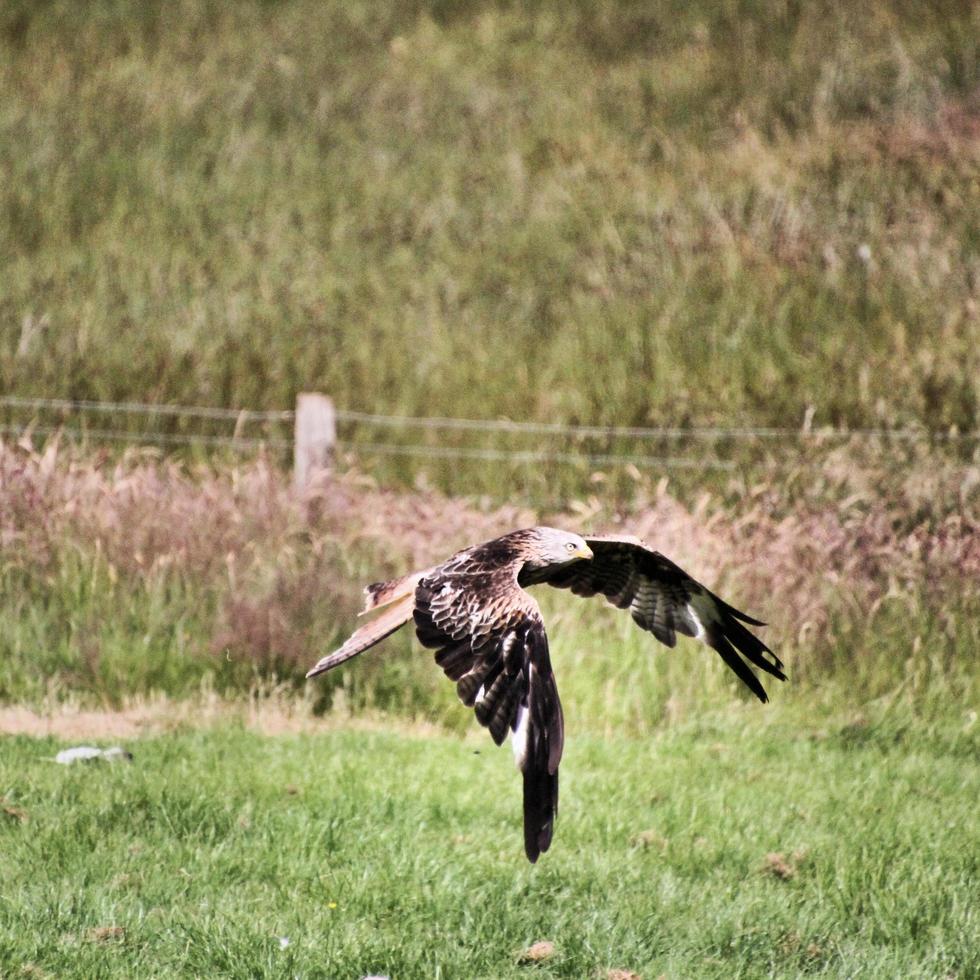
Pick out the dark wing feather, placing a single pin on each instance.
(489, 638)
(664, 600)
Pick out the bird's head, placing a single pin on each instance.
(556, 547)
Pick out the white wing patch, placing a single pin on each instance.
(698, 625)
(519, 738)
(702, 610)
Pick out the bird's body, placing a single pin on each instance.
(490, 639)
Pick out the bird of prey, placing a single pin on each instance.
(489, 637)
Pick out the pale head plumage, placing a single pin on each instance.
(554, 547)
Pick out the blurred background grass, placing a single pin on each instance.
(700, 213)
(618, 213)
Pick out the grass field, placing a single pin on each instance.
(752, 844)
(600, 212)
(750, 213)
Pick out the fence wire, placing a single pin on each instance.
(153, 438)
(244, 417)
(371, 448)
(532, 456)
(139, 408)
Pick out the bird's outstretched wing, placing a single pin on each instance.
(490, 640)
(664, 600)
(396, 599)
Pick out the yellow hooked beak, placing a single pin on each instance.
(583, 552)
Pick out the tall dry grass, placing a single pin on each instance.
(132, 575)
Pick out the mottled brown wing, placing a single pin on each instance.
(491, 641)
(664, 600)
(395, 599)
(393, 618)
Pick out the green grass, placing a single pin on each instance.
(399, 854)
(110, 645)
(600, 212)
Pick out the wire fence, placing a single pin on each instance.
(533, 456)
(652, 432)
(144, 438)
(274, 421)
(139, 408)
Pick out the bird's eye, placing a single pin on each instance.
(570, 546)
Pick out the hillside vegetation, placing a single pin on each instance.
(622, 213)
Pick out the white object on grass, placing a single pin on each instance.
(89, 753)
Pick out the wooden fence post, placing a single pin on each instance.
(315, 438)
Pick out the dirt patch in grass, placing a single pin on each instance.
(73, 724)
(270, 716)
